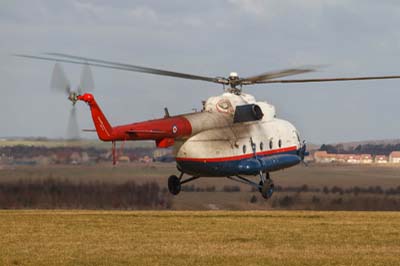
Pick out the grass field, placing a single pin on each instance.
(199, 238)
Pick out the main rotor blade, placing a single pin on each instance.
(127, 68)
(141, 69)
(87, 83)
(69, 61)
(59, 80)
(327, 79)
(273, 75)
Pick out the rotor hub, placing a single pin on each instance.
(73, 97)
(233, 76)
(233, 81)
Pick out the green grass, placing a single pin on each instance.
(199, 238)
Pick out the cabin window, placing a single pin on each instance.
(280, 143)
(244, 148)
(270, 144)
(261, 146)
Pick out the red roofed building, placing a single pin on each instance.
(394, 157)
(353, 158)
(366, 158)
(381, 159)
(324, 157)
(342, 158)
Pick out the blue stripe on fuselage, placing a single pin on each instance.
(251, 166)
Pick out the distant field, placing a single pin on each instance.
(315, 175)
(199, 238)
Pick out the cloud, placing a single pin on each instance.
(207, 38)
(105, 14)
(255, 7)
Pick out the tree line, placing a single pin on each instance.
(62, 194)
(24, 151)
(373, 149)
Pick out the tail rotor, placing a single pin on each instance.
(60, 83)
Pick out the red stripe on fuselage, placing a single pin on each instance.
(237, 157)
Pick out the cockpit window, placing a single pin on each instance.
(297, 135)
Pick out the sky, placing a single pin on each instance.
(210, 38)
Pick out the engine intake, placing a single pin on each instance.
(247, 112)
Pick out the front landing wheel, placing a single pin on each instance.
(267, 189)
(174, 185)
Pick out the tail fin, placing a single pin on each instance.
(103, 127)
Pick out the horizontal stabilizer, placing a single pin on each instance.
(89, 130)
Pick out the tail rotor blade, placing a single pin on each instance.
(87, 83)
(59, 81)
(73, 127)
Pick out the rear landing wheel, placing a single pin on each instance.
(267, 188)
(174, 185)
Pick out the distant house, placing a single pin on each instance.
(366, 158)
(342, 158)
(353, 158)
(394, 157)
(124, 159)
(161, 153)
(62, 157)
(381, 159)
(146, 159)
(42, 160)
(75, 158)
(85, 157)
(308, 158)
(324, 157)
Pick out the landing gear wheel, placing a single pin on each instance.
(174, 185)
(267, 189)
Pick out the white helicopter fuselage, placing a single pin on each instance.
(218, 146)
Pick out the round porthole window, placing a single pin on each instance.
(244, 148)
(261, 146)
(280, 143)
(270, 144)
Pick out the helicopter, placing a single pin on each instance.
(234, 136)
